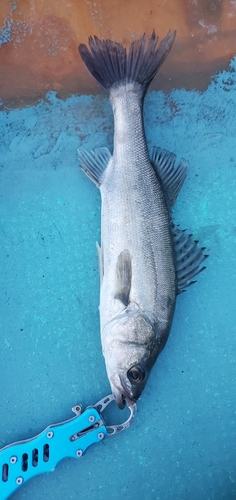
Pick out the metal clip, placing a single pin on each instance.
(116, 428)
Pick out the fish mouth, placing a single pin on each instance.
(121, 395)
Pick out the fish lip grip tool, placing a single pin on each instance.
(23, 460)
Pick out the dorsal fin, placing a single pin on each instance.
(172, 177)
(188, 258)
(123, 277)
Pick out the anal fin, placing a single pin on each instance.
(94, 163)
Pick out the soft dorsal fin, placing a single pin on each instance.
(94, 163)
(172, 177)
(123, 277)
(188, 258)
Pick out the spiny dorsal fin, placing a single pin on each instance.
(188, 258)
(123, 277)
(94, 163)
(171, 177)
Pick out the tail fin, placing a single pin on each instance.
(111, 65)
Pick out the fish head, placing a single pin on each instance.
(130, 348)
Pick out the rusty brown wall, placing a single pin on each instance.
(39, 39)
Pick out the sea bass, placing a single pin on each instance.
(145, 260)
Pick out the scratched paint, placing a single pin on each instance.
(39, 39)
(5, 31)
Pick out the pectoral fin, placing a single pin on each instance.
(123, 277)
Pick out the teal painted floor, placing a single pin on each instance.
(182, 443)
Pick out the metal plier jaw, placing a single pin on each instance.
(23, 460)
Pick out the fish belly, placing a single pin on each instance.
(135, 218)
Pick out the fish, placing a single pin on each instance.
(145, 259)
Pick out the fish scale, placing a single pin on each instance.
(145, 236)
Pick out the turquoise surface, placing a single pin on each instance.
(182, 443)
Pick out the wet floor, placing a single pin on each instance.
(182, 443)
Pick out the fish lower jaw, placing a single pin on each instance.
(120, 394)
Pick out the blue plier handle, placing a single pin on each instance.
(23, 460)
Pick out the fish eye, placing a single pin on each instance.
(136, 374)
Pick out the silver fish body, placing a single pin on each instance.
(139, 266)
(135, 219)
